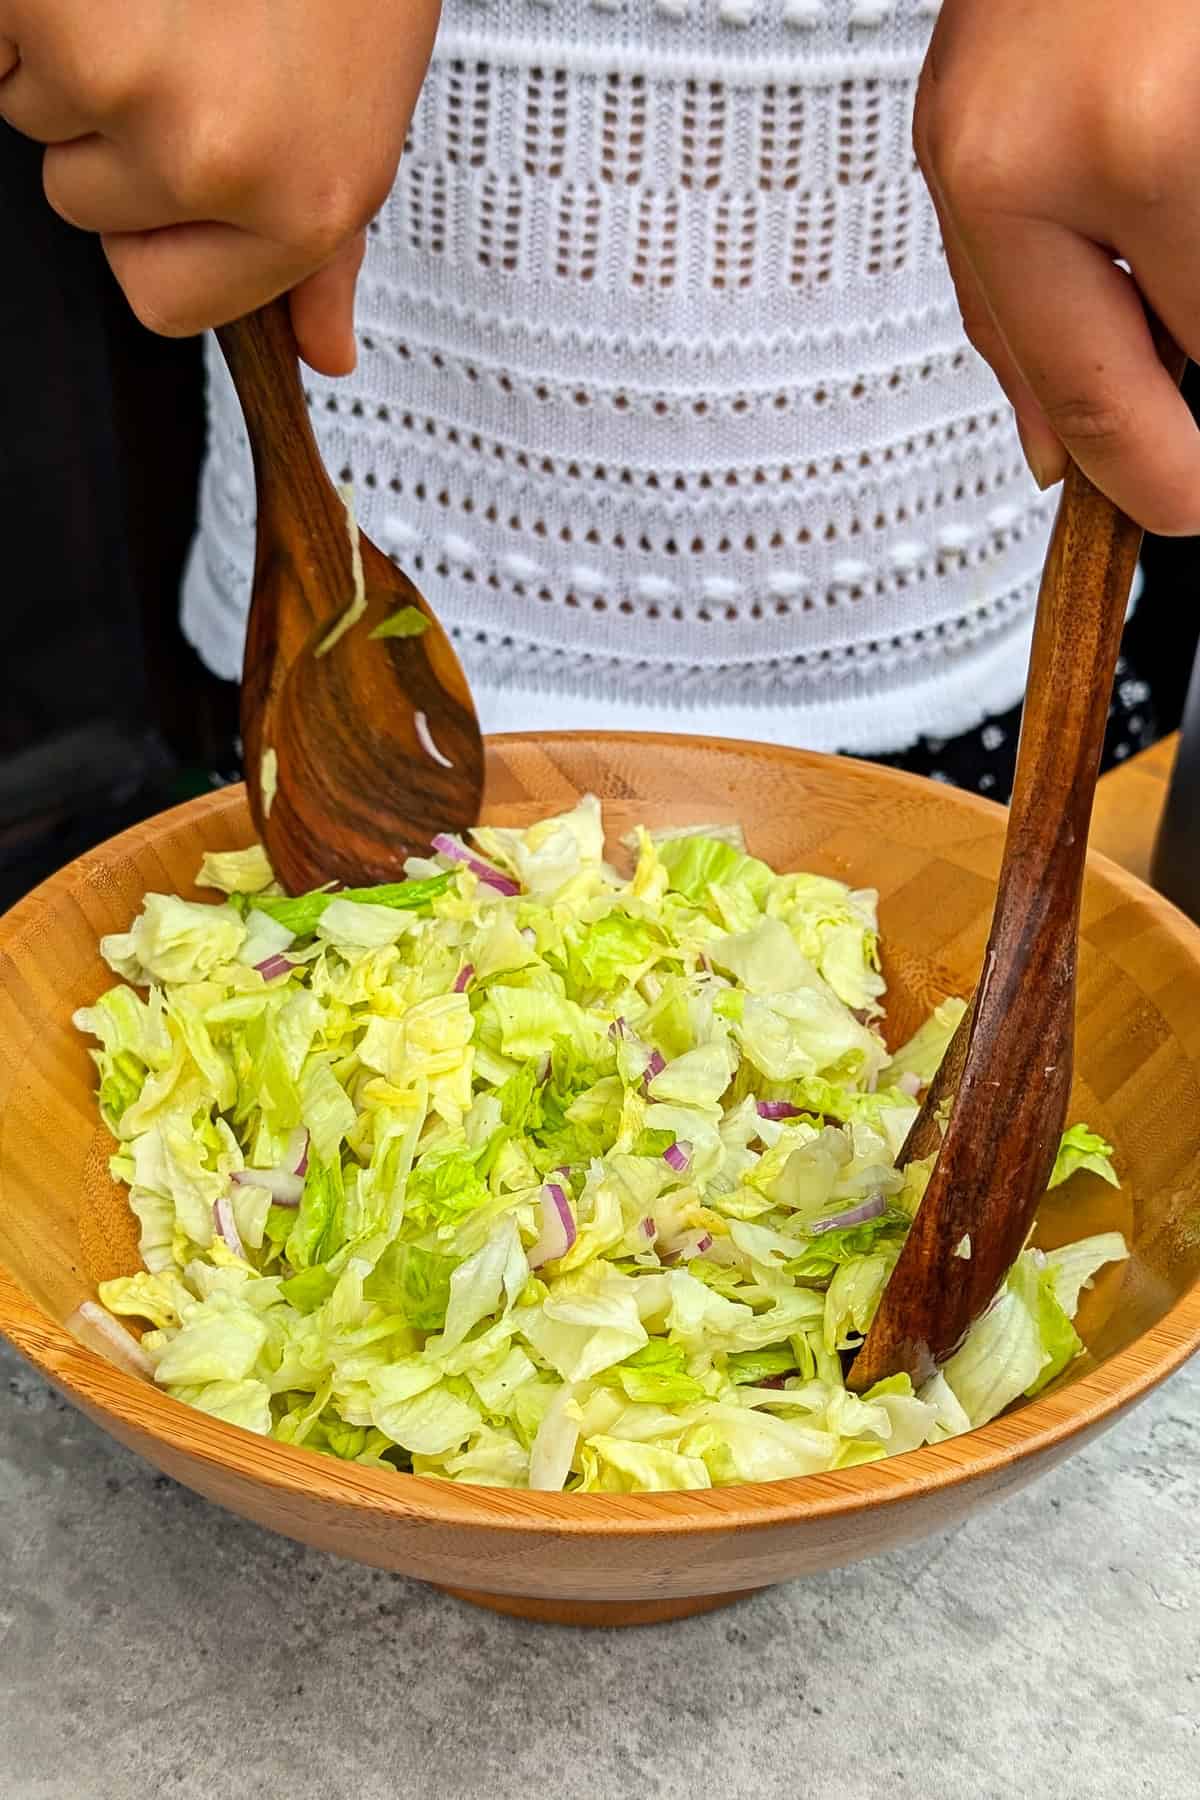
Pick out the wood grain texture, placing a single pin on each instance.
(358, 787)
(934, 854)
(1017, 1040)
(1129, 805)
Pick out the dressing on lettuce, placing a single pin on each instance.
(589, 1186)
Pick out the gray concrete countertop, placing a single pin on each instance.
(153, 1645)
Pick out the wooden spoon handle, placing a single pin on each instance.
(1080, 621)
(300, 513)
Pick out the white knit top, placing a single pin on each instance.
(663, 397)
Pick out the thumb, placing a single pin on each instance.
(322, 308)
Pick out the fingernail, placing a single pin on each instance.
(1045, 466)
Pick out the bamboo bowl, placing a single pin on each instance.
(604, 1559)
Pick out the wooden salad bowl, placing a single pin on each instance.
(933, 853)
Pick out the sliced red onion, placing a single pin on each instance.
(723, 1251)
(446, 846)
(295, 1156)
(617, 1029)
(649, 1229)
(655, 1066)
(777, 1109)
(127, 1352)
(271, 966)
(909, 1084)
(465, 975)
(688, 1244)
(226, 1225)
(285, 1189)
(854, 1215)
(558, 1227)
(678, 1156)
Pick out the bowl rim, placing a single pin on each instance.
(1044, 1424)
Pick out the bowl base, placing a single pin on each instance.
(615, 1613)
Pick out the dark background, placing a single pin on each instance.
(105, 713)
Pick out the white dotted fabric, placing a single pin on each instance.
(663, 397)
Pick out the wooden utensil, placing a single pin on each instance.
(1007, 1075)
(627, 1558)
(357, 744)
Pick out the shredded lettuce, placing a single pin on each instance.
(405, 622)
(923, 1053)
(541, 1189)
(301, 915)
(236, 871)
(1083, 1149)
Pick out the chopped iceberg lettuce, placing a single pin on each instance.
(554, 1179)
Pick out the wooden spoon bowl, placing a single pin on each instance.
(359, 736)
(605, 1559)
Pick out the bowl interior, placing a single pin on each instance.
(931, 852)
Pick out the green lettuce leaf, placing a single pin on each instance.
(923, 1053)
(413, 1282)
(480, 1285)
(302, 914)
(221, 1340)
(236, 871)
(1072, 1267)
(738, 1444)
(429, 1423)
(616, 1466)
(579, 1335)
(174, 940)
(552, 855)
(753, 1366)
(405, 622)
(613, 952)
(320, 1223)
(657, 1374)
(1083, 1149)
(695, 865)
(445, 1187)
(326, 1109)
(246, 1403)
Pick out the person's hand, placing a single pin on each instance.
(1058, 136)
(226, 150)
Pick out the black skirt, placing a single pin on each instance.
(984, 760)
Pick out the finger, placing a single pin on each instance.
(1076, 328)
(92, 183)
(36, 107)
(323, 311)
(1044, 449)
(187, 278)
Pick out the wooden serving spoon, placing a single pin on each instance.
(1007, 1074)
(359, 739)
